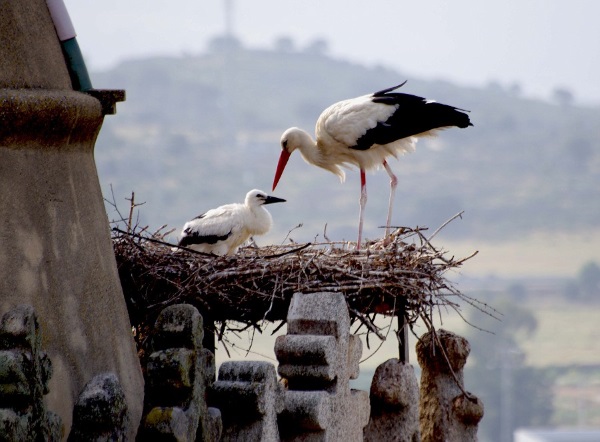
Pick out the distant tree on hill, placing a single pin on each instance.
(285, 44)
(514, 394)
(589, 280)
(517, 291)
(515, 90)
(563, 96)
(586, 286)
(578, 154)
(224, 43)
(317, 47)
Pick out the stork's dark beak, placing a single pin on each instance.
(273, 199)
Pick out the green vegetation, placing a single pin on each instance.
(586, 286)
(514, 393)
(539, 366)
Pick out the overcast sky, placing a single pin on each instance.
(539, 44)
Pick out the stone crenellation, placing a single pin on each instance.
(25, 371)
(100, 413)
(394, 404)
(447, 411)
(317, 358)
(312, 400)
(250, 399)
(178, 375)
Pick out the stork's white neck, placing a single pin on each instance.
(311, 151)
(301, 140)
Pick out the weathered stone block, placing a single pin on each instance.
(306, 357)
(14, 378)
(310, 411)
(249, 397)
(179, 325)
(13, 426)
(100, 413)
(317, 359)
(171, 369)
(447, 412)
(24, 372)
(178, 375)
(166, 424)
(394, 404)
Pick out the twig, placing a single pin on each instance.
(277, 255)
(468, 395)
(158, 241)
(458, 215)
(114, 205)
(367, 322)
(290, 232)
(325, 233)
(132, 206)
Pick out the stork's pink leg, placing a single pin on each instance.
(393, 184)
(363, 203)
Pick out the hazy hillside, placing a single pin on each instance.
(198, 131)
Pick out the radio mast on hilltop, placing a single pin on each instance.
(229, 19)
(228, 105)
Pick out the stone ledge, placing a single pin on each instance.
(47, 118)
(108, 99)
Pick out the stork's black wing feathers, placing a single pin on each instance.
(192, 236)
(414, 115)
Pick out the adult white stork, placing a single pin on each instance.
(364, 132)
(223, 230)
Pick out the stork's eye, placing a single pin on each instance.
(284, 144)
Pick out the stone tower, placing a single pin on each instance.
(55, 248)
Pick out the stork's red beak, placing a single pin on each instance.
(283, 159)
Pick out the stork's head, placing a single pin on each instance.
(292, 139)
(258, 198)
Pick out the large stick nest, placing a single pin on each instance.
(406, 277)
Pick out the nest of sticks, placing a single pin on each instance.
(406, 276)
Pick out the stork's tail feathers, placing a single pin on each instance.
(442, 115)
(420, 109)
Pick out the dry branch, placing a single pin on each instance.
(258, 283)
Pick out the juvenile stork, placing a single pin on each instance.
(364, 132)
(223, 230)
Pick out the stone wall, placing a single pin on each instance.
(312, 400)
